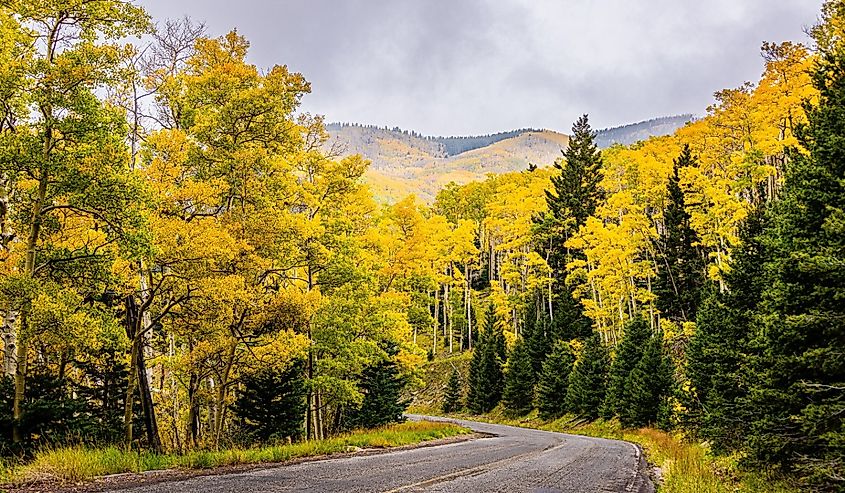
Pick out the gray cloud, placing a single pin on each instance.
(478, 66)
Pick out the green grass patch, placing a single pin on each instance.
(74, 464)
(685, 467)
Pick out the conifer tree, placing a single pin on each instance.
(588, 380)
(718, 351)
(628, 354)
(382, 386)
(574, 196)
(272, 402)
(474, 393)
(537, 336)
(486, 367)
(799, 398)
(554, 381)
(518, 394)
(452, 399)
(681, 272)
(647, 387)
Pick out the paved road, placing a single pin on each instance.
(515, 460)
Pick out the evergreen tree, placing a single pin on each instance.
(452, 399)
(575, 191)
(718, 351)
(681, 272)
(628, 354)
(799, 398)
(475, 396)
(382, 387)
(574, 196)
(647, 388)
(271, 403)
(537, 336)
(588, 380)
(518, 394)
(569, 319)
(486, 368)
(554, 381)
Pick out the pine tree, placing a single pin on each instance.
(588, 380)
(574, 197)
(799, 398)
(554, 381)
(647, 387)
(569, 319)
(518, 394)
(628, 354)
(382, 386)
(271, 403)
(452, 399)
(537, 336)
(718, 350)
(681, 271)
(475, 394)
(575, 191)
(492, 367)
(486, 367)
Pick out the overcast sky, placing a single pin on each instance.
(455, 67)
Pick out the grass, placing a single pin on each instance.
(684, 467)
(74, 464)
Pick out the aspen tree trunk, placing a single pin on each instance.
(467, 302)
(449, 309)
(436, 319)
(222, 391)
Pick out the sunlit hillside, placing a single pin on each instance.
(405, 162)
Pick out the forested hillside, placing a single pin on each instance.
(635, 132)
(189, 263)
(405, 162)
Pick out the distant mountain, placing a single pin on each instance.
(406, 162)
(635, 132)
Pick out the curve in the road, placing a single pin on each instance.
(513, 460)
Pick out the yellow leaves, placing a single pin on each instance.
(278, 349)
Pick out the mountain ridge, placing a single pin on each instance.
(405, 161)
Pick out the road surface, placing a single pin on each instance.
(514, 460)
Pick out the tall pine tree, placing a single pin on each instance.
(486, 367)
(799, 399)
(681, 272)
(452, 399)
(719, 349)
(628, 354)
(647, 388)
(574, 196)
(588, 380)
(554, 381)
(518, 394)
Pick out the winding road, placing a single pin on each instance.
(513, 460)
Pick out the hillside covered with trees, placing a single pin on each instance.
(186, 263)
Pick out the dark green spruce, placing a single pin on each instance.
(518, 395)
(554, 381)
(628, 353)
(588, 380)
(681, 275)
(452, 399)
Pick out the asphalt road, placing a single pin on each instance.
(514, 460)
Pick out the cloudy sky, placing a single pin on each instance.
(455, 67)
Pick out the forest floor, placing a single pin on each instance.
(81, 469)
